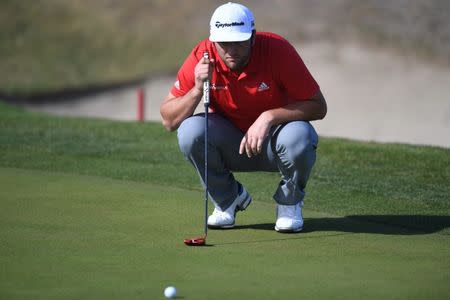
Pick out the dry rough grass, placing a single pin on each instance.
(51, 45)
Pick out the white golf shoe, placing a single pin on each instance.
(289, 218)
(225, 219)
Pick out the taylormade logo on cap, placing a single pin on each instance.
(218, 24)
(231, 22)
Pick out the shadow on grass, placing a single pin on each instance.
(379, 224)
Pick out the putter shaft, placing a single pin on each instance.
(206, 104)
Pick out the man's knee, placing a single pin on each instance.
(295, 139)
(191, 134)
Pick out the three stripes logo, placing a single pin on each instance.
(262, 87)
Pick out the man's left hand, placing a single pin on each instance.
(252, 142)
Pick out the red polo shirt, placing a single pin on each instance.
(274, 76)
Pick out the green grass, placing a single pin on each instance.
(349, 177)
(98, 209)
(70, 237)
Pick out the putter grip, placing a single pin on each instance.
(206, 84)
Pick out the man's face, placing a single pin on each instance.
(235, 54)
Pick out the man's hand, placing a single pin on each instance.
(308, 110)
(202, 72)
(255, 136)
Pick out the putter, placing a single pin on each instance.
(201, 241)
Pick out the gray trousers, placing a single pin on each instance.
(289, 149)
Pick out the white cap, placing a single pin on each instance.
(231, 22)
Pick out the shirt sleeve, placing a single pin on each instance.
(185, 77)
(295, 79)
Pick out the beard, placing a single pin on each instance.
(236, 63)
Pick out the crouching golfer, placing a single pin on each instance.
(262, 99)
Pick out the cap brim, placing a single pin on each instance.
(230, 37)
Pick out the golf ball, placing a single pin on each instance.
(170, 292)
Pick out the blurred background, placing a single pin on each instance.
(383, 66)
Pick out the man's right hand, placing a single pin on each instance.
(175, 110)
(202, 72)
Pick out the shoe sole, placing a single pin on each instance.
(288, 230)
(221, 226)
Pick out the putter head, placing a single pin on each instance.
(197, 241)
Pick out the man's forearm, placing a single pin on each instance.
(175, 110)
(309, 110)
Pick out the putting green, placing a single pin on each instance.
(65, 236)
